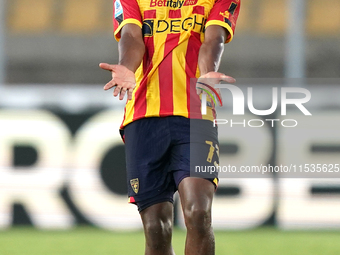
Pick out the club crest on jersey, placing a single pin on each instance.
(172, 3)
(135, 185)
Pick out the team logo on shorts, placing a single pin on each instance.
(135, 185)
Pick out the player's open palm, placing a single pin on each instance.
(123, 80)
(206, 83)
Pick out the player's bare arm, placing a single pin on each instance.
(210, 56)
(212, 48)
(131, 51)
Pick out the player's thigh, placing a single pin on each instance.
(204, 150)
(196, 190)
(147, 144)
(196, 148)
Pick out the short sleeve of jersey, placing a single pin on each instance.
(225, 13)
(125, 12)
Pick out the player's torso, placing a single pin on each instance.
(173, 32)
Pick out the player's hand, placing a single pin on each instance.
(123, 80)
(208, 81)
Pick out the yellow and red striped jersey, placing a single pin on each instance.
(173, 32)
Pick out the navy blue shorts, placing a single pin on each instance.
(161, 152)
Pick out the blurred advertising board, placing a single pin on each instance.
(62, 161)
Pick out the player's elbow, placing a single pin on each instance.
(215, 42)
(216, 35)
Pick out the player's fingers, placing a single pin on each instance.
(110, 85)
(199, 87)
(216, 77)
(226, 78)
(122, 93)
(213, 93)
(117, 90)
(130, 92)
(205, 87)
(106, 66)
(212, 75)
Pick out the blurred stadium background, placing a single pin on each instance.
(62, 161)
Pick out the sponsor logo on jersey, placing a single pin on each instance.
(118, 9)
(195, 23)
(135, 185)
(225, 14)
(172, 3)
(148, 27)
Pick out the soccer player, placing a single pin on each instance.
(164, 47)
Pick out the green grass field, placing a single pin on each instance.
(92, 241)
